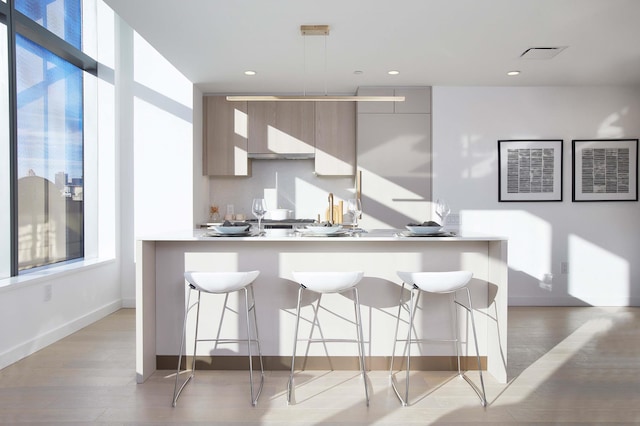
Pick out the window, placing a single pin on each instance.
(44, 147)
(50, 161)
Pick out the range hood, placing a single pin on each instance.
(278, 156)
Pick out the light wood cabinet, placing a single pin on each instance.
(281, 127)
(335, 138)
(225, 137)
(394, 158)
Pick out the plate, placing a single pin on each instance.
(424, 230)
(324, 230)
(227, 234)
(231, 229)
(339, 233)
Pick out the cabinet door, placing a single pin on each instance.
(225, 137)
(394, 156)
(335, 138)
(281, 127)
(262, 118)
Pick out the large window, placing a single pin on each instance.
(45, 143)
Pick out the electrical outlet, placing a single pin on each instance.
(564, 267)
(48, 292)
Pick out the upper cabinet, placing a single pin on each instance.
(335, 138)
(417, 100)
(225, 137)
(235, 132)
(281, 128)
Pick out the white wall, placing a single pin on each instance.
(600, 241)
(38, 308)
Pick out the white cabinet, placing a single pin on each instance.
(335, 138)
(225, 137)
(394, 159)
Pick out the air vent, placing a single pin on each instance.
(541, 52)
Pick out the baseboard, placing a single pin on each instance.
(571, 301)
(349, 363)
(129, 303)
(45, 339)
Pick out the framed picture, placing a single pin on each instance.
(530, 170)
(605, 169)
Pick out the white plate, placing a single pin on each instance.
(324, 230)
(231, 229)
(424, 230)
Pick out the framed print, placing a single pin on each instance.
(605, 169)
(530, 170)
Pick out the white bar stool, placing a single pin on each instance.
(329, 282)
(435, 282)
(221, 283)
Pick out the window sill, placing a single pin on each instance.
(37, 277)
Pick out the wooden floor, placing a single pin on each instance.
(578, 365)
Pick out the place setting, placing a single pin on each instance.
(230, 229)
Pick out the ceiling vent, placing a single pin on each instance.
(541, 52)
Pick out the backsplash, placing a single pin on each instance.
(285, 184)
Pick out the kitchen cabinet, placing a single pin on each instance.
(417, 100)
(394, 159)
(281, 128)
(225, 137)
(335, 138)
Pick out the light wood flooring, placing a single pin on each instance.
(579, 365)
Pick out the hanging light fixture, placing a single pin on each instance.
(314, 30)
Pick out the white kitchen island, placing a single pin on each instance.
(160, 297)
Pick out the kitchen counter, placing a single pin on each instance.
(160, 293)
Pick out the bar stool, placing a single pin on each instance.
(435, 282)
(329, 282)
(221, 283)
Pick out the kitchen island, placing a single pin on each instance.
(160, 297)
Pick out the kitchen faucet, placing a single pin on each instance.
(331, 218)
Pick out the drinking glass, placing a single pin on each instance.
(354, 206)
(259, 209)
(442, 210)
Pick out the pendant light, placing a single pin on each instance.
(315, 30)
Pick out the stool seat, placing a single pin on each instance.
(437, 282)
(328, 282)
(221, 283)
(434, 282)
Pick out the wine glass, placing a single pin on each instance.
(442, 210)
(259, 209)
(354, 206)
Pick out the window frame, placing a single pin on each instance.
(18, 23)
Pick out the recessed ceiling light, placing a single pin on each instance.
(393, 72)
(358, 72)
(513, 73)
(249, 72)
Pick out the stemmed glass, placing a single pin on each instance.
(354, 206)
(442, 210)
(259, 209)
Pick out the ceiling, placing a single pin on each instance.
(431, 42)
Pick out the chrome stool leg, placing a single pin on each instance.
(295, 342)
(254, 399)
(481, 393)
(176, 390)
(361, 343)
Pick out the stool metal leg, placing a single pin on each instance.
(405, 400)
(254, 400)
(361, 343)
(481, 393)
(295, 341)
(176, 390)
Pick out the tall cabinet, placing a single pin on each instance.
(394, 157)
